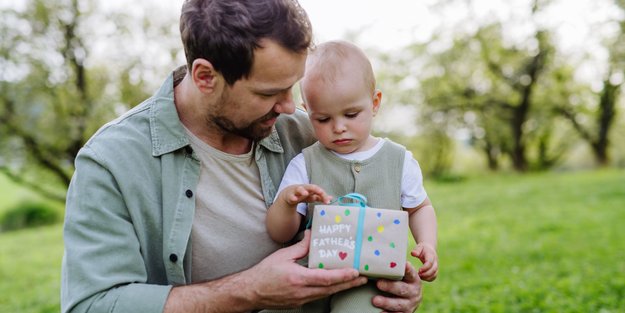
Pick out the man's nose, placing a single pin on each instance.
(285, 103)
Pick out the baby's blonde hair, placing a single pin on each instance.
(326, 63)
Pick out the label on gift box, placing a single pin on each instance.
(373, 241)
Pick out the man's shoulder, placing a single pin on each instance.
(298, 118)
(295, 126)
(131, 129)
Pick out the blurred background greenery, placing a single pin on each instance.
(521, 141)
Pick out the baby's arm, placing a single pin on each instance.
(423, 226)
(283, 220)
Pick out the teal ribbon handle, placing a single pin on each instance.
(357, 200)
(360, 202)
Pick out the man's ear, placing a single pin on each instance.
(204, 75)
(377, 101)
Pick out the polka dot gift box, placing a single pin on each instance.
(350, 234)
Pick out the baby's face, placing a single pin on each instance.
(341, 113)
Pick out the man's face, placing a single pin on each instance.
(249, 108)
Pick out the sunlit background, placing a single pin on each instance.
(513, 108)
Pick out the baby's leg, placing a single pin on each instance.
(356, 300)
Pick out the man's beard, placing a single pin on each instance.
(254, 131)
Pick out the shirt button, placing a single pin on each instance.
(173, 257)
(189, 193)
(357, 168)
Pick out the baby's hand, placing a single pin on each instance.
(305, 193)
(429, 258)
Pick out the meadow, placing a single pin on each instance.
(541, 242)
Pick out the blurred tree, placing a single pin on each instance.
(489, 86)
(593, 117)
(433, 145)
(55, 92)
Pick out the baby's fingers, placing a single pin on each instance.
(428, 274)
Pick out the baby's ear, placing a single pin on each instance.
(377, 101)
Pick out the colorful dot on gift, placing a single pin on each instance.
(392, 245)
(396, 222)
(322, 212)
(320, 265)
(380, 228)
(393, 264)
(379, 214)
(376, 252)
(337, 218)
(366, 267)
(370, 238)
(347, 212)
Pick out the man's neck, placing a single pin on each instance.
(189, 106)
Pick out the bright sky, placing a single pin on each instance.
(390, 24)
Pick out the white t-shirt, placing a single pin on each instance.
(412, 190)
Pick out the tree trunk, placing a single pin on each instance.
(605, 119)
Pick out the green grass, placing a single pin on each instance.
(30, 270)
(534, 243)
(549, 242)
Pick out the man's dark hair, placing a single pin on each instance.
(226, 32)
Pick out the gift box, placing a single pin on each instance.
(349, 234)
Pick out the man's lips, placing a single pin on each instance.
(270, 121)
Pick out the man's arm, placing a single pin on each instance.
(276, 282)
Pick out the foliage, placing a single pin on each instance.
(593, 118)
(55, 91)
(519, 100)
(28, 214)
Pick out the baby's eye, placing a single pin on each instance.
(323, 120)
(351, 115)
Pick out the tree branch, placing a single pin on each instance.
(35, 186)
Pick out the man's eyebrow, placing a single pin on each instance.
(272, 90)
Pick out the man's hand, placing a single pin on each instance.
(407, 293)
(279, 282)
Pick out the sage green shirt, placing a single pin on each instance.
(131, 203)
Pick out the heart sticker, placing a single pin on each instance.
(342, 255)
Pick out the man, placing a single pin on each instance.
(165, 212)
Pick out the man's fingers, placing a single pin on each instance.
(391, 305)
(296, 251)
(326, 278)
(325, 290)
(411, 275)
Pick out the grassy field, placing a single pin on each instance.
(549, 242)
(534, 243)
